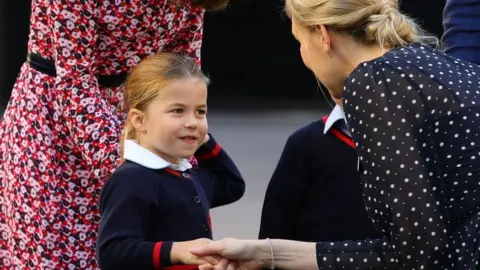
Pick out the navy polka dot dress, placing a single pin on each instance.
(415, 116)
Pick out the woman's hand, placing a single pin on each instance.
(180, 253)
(257, 254)
(237, 254)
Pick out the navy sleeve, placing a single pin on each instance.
(221, 172)
(125, 207)
(286, 190)
(461, 23)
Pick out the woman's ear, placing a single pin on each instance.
(137, 118)
(325, 36)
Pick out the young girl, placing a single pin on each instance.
(60, 131)
(155, 202)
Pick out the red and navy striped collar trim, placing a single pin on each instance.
(339, 134)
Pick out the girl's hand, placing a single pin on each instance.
(236, 254)
(180, 253)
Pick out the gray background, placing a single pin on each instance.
(254, 141)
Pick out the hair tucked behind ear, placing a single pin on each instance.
(369, 21)
(151, 76)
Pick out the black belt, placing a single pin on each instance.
(47, 67)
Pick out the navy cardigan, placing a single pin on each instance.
(144, 211)
(315, 193)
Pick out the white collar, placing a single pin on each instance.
(134, 152)
(336, 115)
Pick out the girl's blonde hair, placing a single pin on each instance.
(149, 78)
(369, 21)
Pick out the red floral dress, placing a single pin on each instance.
(59, 135)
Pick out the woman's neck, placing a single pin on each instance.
(365, 54)
(354, 53)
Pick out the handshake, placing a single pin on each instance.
(226, 254)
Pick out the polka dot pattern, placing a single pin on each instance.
(414, 114)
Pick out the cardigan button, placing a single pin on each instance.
(205, 227)
(197, 199)
(186, 175)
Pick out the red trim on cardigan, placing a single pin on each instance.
(340, 134)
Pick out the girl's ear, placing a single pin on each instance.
(138, 120)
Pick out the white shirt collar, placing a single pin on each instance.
(136, 153)
(336, 115)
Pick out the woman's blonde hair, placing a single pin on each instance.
(369, 21)
(149, 78)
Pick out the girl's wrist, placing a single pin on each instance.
(175, 253)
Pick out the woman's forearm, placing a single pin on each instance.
(287, 254)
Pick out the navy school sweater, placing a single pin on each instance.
(143, 211)
(315, 192)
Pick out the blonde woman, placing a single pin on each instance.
(414, 114)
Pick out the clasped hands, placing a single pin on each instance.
(226, 254)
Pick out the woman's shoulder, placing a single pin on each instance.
(416, 66)
(407, 63)
(425, 59)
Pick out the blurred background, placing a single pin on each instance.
(260, 92)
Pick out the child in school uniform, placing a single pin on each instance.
(315, 192)
(155, 206)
